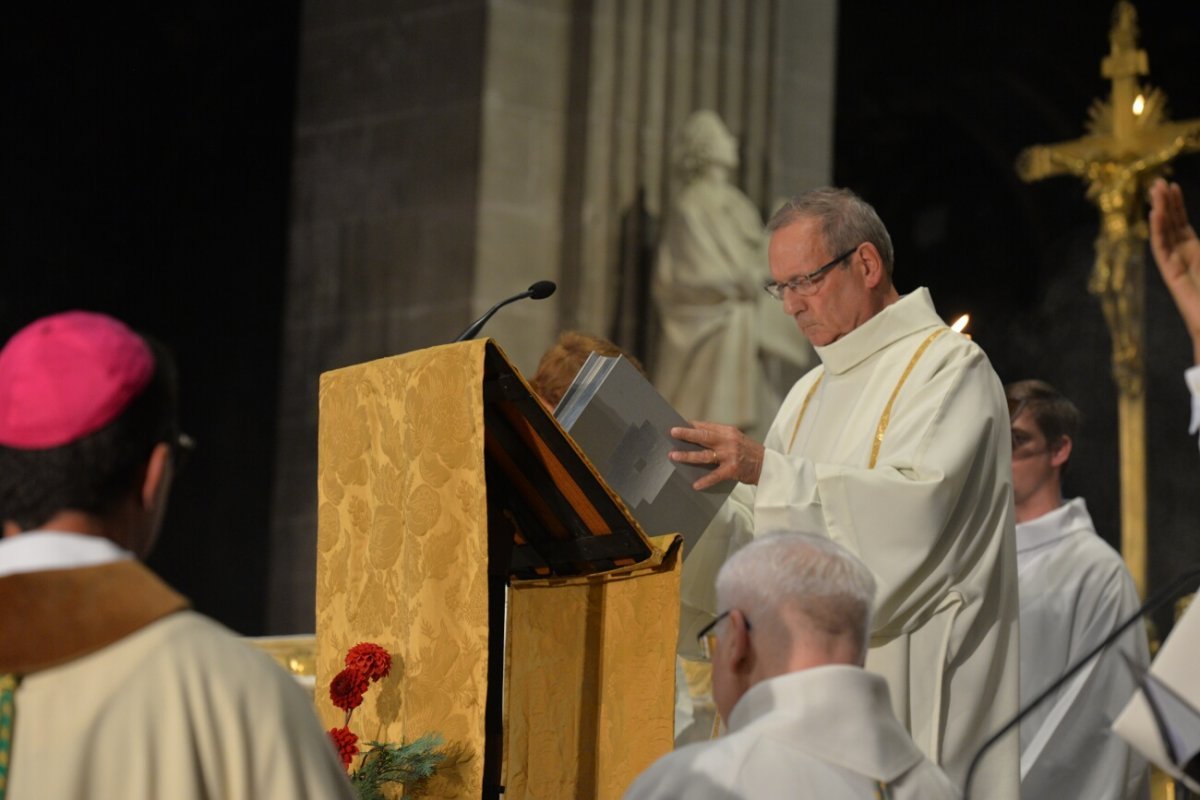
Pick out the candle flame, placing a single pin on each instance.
(960, 324)
(1139, 104)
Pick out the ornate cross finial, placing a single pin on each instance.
(1125, 59)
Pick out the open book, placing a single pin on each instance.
(623, 426)
(1161, 721)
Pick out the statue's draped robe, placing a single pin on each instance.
(707, 287)
(932, 519)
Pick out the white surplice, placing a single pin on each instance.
(1074, 591)
(932, 518)
(826, 732)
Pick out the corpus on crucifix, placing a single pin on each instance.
(1130, 142)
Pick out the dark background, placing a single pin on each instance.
(935, 101)
(144, 168)
(145, 172)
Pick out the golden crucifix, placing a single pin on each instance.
(1129, 143)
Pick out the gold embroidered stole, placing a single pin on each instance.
(57, 616)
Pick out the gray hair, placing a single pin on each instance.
(811, 574)
(846, 221)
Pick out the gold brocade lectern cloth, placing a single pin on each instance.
(402, 561)
(591, 706)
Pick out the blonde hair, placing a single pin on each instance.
(561, 362)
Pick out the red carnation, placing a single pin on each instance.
(346, 743)
(370, 659)
(347, 688)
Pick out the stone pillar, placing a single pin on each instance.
(802, 93)
(383, 226)
(525, 148)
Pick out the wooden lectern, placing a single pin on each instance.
(445, 488)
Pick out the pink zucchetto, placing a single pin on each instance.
(66, 376)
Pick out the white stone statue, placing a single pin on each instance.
(718, 326)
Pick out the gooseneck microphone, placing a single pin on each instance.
(538, 291)
(1156, 601)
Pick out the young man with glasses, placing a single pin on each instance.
(1074, 590)
(804, 718)
(109, 686)
(898, 447)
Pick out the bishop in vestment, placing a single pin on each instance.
(120, 690)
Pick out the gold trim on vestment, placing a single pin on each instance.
(803, 408)
(886, 417)
(887, 410)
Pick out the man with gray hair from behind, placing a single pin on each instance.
(805, 720)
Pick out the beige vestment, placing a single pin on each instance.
(903, 455)
(177, 709)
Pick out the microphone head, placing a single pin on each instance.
(542, 290)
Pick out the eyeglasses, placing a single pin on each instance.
(707, 637)
(806, 285)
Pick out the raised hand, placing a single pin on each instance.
(1176, 250)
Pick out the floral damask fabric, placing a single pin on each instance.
(591, 678)
(402, 548)
(402, 561)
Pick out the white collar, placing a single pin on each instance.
(913, 312)
(822, 699)
(40, 551)
(1052, 526)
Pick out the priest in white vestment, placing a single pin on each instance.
(804, 719)
(1075, 590)
(898, 448)
(109, 686)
